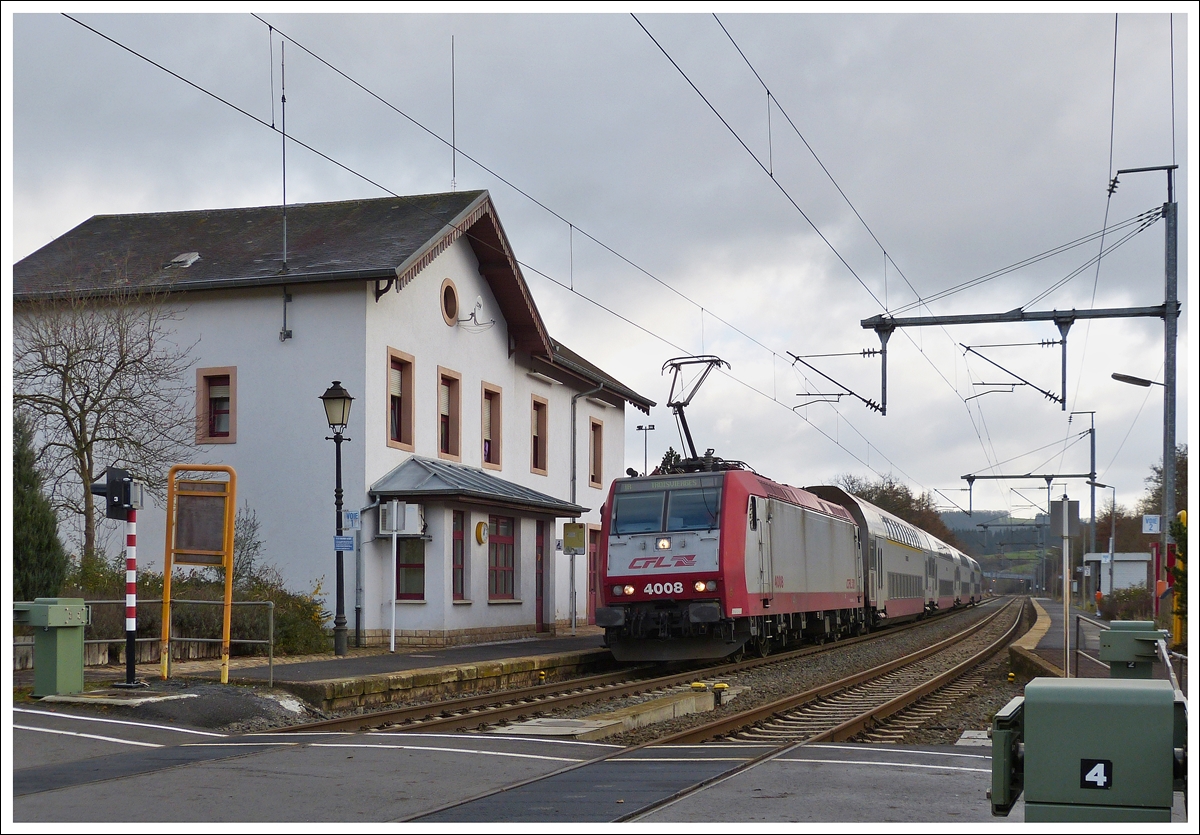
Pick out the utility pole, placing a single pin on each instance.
(1091, 481)
(1170, 338)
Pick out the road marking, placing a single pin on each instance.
(113, 721)
(302, 733)
(394, 734)
(87, 736)
(233, 744)
(906, 751)
(888, 764)
(633, 759)
(448, 751)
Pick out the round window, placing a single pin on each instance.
(449, 302)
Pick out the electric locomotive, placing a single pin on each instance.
(709, 559)
(700, 565)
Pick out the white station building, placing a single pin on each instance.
(491, 433)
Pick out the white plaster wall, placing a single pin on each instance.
(284, 465)
(411, 321)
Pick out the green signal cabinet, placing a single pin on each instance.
(1130, 648)
(1090, 750)
(58, 624)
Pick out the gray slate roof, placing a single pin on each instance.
(422, 479)
(240, 247)
(387, 240)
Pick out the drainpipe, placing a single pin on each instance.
(574, 469)
(358, 575)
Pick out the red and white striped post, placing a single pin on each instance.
(131, 597)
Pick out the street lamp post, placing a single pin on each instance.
(1112, 539)
(337, 412)
(646, 430)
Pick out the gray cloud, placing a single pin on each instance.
(967, 142)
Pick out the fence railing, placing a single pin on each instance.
(1086, 628)
(269, 641)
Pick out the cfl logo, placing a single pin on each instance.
(678, 561)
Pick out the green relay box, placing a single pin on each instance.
(1090, 750)
(57, 642)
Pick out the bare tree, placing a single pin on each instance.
(105, 382)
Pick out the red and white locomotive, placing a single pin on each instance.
(704, 564)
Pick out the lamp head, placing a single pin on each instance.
(337, 406)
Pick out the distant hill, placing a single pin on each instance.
(1003, 534)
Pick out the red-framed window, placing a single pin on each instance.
(458, 561)
(410, 569)
(502, 564)
(218, 406)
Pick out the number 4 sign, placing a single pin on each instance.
(1095, 774)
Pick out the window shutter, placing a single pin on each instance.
(218, 392)
(443, 398)
(395, 380)
(489, 403)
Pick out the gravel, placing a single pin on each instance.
(777, 681)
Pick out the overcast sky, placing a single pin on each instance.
(967, 143)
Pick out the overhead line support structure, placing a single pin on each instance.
(884, 325)
(1168, 311)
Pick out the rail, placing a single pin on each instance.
(269, 641)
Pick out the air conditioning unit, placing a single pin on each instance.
(400, 518)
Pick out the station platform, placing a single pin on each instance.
(373, 676)
(1042, 645)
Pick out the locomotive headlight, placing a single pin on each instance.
(711, 585)
(629, 589)
(699, 586)
(617, 591)
(664, 543)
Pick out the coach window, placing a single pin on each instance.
(400, 400)
(216, 405)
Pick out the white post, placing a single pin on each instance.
(1066, 573)
(395, 557)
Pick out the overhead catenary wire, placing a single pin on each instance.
(742, 142)
(365, 178)
(572, 228)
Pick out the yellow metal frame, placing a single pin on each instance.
(169, 552)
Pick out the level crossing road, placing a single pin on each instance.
(75, 768)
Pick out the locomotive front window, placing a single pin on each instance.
(638, 513)
(694, 510)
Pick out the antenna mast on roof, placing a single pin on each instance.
(453, 144)
(283, 110)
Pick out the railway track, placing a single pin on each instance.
(842, 710)
(470, 713)
(890, 688)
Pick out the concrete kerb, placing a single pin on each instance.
(1021, 655)
(445, 681)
